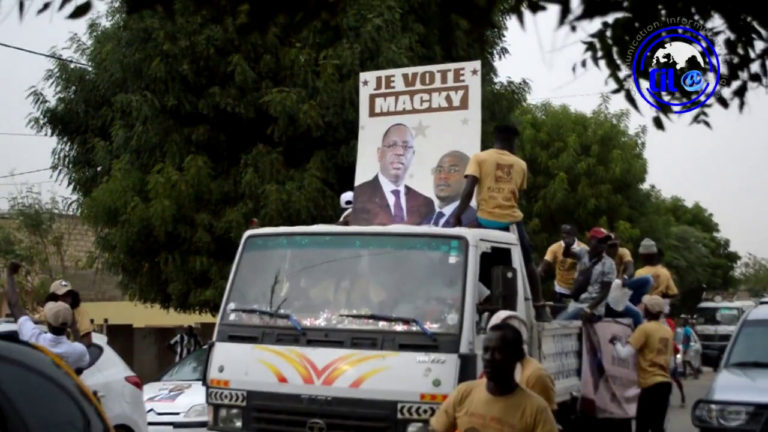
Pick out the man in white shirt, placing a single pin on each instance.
(59, 318)
(386, 199)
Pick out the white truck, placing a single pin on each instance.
(332, 328)
(716, 322)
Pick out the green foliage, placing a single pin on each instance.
(752, 275)
(742, 27)
(195, 119)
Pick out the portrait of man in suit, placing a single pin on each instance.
(448, 180)
(385, 199)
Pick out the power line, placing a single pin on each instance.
(25, 172)
(20, 134)
(50, 56)
(27, 184)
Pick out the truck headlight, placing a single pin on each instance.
(196, 411)
(230, 417)
(708, 414)
(416, 427)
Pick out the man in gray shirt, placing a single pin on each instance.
(596, 272)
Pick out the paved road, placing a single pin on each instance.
(680, 417)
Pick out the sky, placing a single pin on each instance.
(722, 168)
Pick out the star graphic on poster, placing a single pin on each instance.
(474, 71)
(465, 121)
(365, 83)
(420, 130)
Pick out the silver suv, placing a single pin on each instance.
(738, 398)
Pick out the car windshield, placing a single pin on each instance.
(717, 315)
(317, 278)
(190, 368)
(749, 345)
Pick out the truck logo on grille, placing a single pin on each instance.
(316, 425)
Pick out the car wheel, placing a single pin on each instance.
(123, 428)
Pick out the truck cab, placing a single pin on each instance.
(366, 328)
(715, 324)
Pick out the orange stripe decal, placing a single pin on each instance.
(302, 370)
(279, 375)
(349, 364)
(319, 373)
(362, 378)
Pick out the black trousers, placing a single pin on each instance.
(652, 407)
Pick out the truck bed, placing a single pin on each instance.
(560, 353)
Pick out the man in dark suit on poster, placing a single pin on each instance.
(385, 199)
(448, 178)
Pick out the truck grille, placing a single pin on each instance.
(282, 413)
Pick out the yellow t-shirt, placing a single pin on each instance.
(663, 284)
(565, 268)
(470, 408)
(623, 256)
(501, 176)
(535, 378)
(652, 342)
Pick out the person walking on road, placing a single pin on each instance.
(59, 318)
(652, 344)
(687, 339)
(185, 343)
(496, 402)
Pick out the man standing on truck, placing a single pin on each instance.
(499, 177)
(565, 268)
(496, 402)
(663, 284)
(652, 343)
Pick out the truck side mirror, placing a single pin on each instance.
(504, 287)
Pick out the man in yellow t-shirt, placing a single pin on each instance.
(565, 268)
(499, 176)
(652, 342)
(663, 284)
(496, 403)
(640, 285)
(531, 374)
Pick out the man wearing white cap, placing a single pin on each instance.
(62, 290)
(531, 374)
(652, 343)
(58, 317)
(663, 284)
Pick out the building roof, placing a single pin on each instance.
(141, 315)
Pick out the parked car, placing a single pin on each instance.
(111, 380)
(738, 398)
(38, 392)
(177, 400)
(693, 356)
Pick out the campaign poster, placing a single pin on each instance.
(418, 128)
(609, 383)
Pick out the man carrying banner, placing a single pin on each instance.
(499, 176)
(448, 180)
(386, 199)
(652, 344)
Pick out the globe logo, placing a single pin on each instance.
(676, 69)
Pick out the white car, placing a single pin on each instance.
(116, 385)
(177, 401)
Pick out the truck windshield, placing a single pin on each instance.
(717, 316)
(319, 278)
(749, 348)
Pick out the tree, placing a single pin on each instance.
(752, 275)
(742, 27)
(195, 119)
